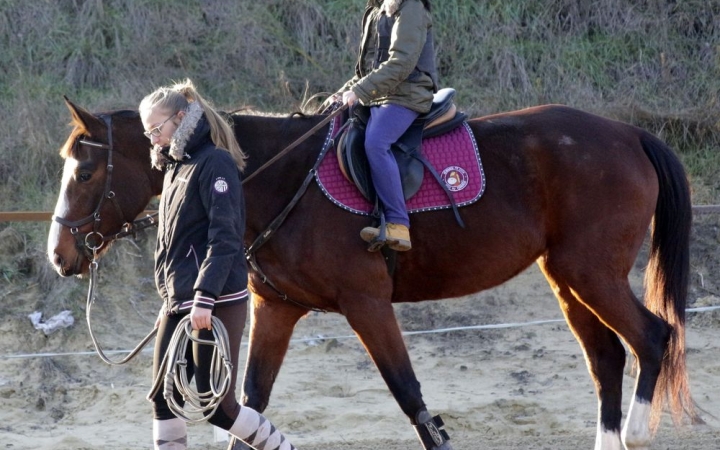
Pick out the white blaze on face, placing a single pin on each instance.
(62, 206)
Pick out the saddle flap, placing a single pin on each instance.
(441, 118)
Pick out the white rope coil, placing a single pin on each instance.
(198, 406)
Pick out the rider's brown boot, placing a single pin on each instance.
(397, 235)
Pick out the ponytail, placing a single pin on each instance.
(178, 98)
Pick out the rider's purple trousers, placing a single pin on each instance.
(387, 123)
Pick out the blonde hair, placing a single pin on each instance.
(178, 97)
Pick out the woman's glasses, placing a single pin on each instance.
(158, 129)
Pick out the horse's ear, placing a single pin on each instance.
(80, 116)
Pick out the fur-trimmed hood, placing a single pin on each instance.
(177, 151)
(391, 6)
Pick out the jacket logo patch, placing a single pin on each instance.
(220, 185)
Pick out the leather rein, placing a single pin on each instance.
(263, 237)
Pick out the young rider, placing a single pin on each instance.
(395, 75)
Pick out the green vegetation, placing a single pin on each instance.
(655, 63)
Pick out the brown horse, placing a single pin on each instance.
(571, 190)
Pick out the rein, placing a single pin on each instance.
(88, 309)
(250, 252)
(90, 243)
(297, 142)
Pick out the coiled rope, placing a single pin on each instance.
(198, 406)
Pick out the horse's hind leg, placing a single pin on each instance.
(605, 358)
(608, 296)
(374, 322)
(647, 337)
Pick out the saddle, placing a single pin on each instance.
(443, 117)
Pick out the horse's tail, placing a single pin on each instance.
(666, 278)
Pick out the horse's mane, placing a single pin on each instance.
(284, 120)
(247, 111)
(80, 129)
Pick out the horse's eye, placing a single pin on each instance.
(84, 177)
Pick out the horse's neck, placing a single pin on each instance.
(264, 137)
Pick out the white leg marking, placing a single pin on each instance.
(636, 432)
(607, 440)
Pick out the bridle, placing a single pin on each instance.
(90, 243)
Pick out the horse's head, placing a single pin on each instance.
(107, 182)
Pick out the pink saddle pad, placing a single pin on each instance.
(454, 156)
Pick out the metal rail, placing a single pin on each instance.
(39, 216)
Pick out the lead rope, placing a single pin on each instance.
(88, 311)
(173, 373)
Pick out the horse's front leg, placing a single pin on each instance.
(374, 322)
(271, 327)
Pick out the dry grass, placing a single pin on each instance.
(655, 63)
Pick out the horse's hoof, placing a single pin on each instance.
(237, 444)
(445, 446)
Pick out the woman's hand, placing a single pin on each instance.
(201, 318)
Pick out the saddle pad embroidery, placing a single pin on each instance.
(454, 156)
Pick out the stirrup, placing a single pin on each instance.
(378, 242)
(375, 237)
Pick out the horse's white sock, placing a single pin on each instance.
(170, 434)
(255, 430)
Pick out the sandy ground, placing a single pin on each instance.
(520, 387)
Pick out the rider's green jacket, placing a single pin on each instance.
(396, 61)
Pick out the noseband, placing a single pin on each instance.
(90, 243)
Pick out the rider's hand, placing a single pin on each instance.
(349, 98)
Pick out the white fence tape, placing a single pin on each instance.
(350, 336)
